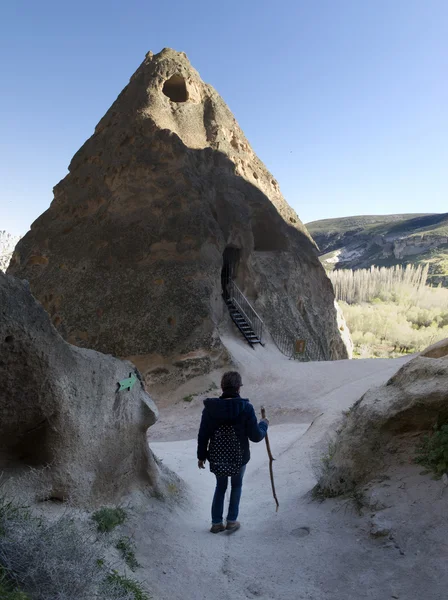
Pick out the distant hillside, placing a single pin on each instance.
(7, 244)
(384, 240)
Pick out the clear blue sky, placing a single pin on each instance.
(345, 101)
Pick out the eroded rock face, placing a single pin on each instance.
(61, 412)
(128, 257)
(413, 400)
(437, 350)
(343, 328)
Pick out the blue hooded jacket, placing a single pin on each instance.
(237, 411)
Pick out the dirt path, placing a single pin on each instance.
(292, 392)
(306, 550)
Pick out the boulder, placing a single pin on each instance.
(380, 526)
(62, 413)
(414, 400)
(164, 203)
(437, 350)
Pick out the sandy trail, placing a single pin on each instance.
(306, 550)
(292, 392)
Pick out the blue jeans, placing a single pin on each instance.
(235, 496)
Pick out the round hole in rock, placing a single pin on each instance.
(176, 89)
(9, 339)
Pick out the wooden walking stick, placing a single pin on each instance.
(271, 460)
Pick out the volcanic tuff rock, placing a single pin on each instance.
(415, 399)
(128, 257)
(61, 412)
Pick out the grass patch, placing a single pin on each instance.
(172, 489)
(127, 549)
(328, 457)
(62, 558)
(322, 469)
(334, 482)
(432, 452)
(48, 559)
(8, 590)
(321, 493)
(109, 518)
(346, 413)
(115, 580)
(211, 388)
(358, 499)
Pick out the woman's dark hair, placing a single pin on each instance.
(231, 381)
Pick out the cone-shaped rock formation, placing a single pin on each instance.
(129, 256)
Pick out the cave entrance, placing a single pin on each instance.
(230, 262)
(176, 89)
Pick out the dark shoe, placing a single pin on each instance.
(217, 528)
(232, 526)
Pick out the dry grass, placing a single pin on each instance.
(63, 559)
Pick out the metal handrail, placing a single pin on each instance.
(241, 309)
(285, 342)
(246, 308)
(233, 284)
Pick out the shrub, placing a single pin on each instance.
(47, 560)
(390, 311)
(390, 329)
(127, 549)
(61, 559)
(432, 452)
(8, 590)
(322, 472)
(109, 518)
(115, 581)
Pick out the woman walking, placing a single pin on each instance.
(227, 425)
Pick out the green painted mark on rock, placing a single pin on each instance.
(127, 384)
